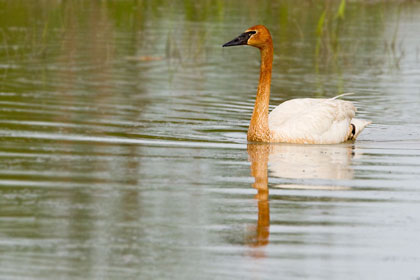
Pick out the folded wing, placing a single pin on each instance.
(312, 121)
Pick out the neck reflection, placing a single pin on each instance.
(308, 162)
(258, 156)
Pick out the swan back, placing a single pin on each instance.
(312, 121)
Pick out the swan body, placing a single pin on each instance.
(303, 121)
(314, 121)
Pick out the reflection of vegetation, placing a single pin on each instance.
(393, 48)
(328, 30)
(312, 36)
(332, 24)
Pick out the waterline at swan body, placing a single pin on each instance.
(304, 121)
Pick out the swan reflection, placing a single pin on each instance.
(311, 161)
(293, 162)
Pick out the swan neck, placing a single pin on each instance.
(258, 129)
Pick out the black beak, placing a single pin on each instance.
(240, 40)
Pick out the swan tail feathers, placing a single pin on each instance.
(341, 95)
(357, 125)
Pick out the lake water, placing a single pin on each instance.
(123, 148)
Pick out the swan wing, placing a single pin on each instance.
(309, 120)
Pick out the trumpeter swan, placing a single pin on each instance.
(305, 120)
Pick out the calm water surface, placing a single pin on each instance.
(123, 148)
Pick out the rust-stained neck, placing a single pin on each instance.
(259, 130)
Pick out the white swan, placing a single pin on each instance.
(304, 121)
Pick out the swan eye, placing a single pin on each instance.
(250, 33)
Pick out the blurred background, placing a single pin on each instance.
(123, 151)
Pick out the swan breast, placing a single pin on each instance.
(311, 121)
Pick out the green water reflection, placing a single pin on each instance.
(123, 141)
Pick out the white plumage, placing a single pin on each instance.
(314, 121)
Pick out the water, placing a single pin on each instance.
(124, 155)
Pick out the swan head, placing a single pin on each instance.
(257, 36)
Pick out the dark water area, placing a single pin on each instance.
(123, 151)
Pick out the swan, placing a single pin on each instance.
(299, 121)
